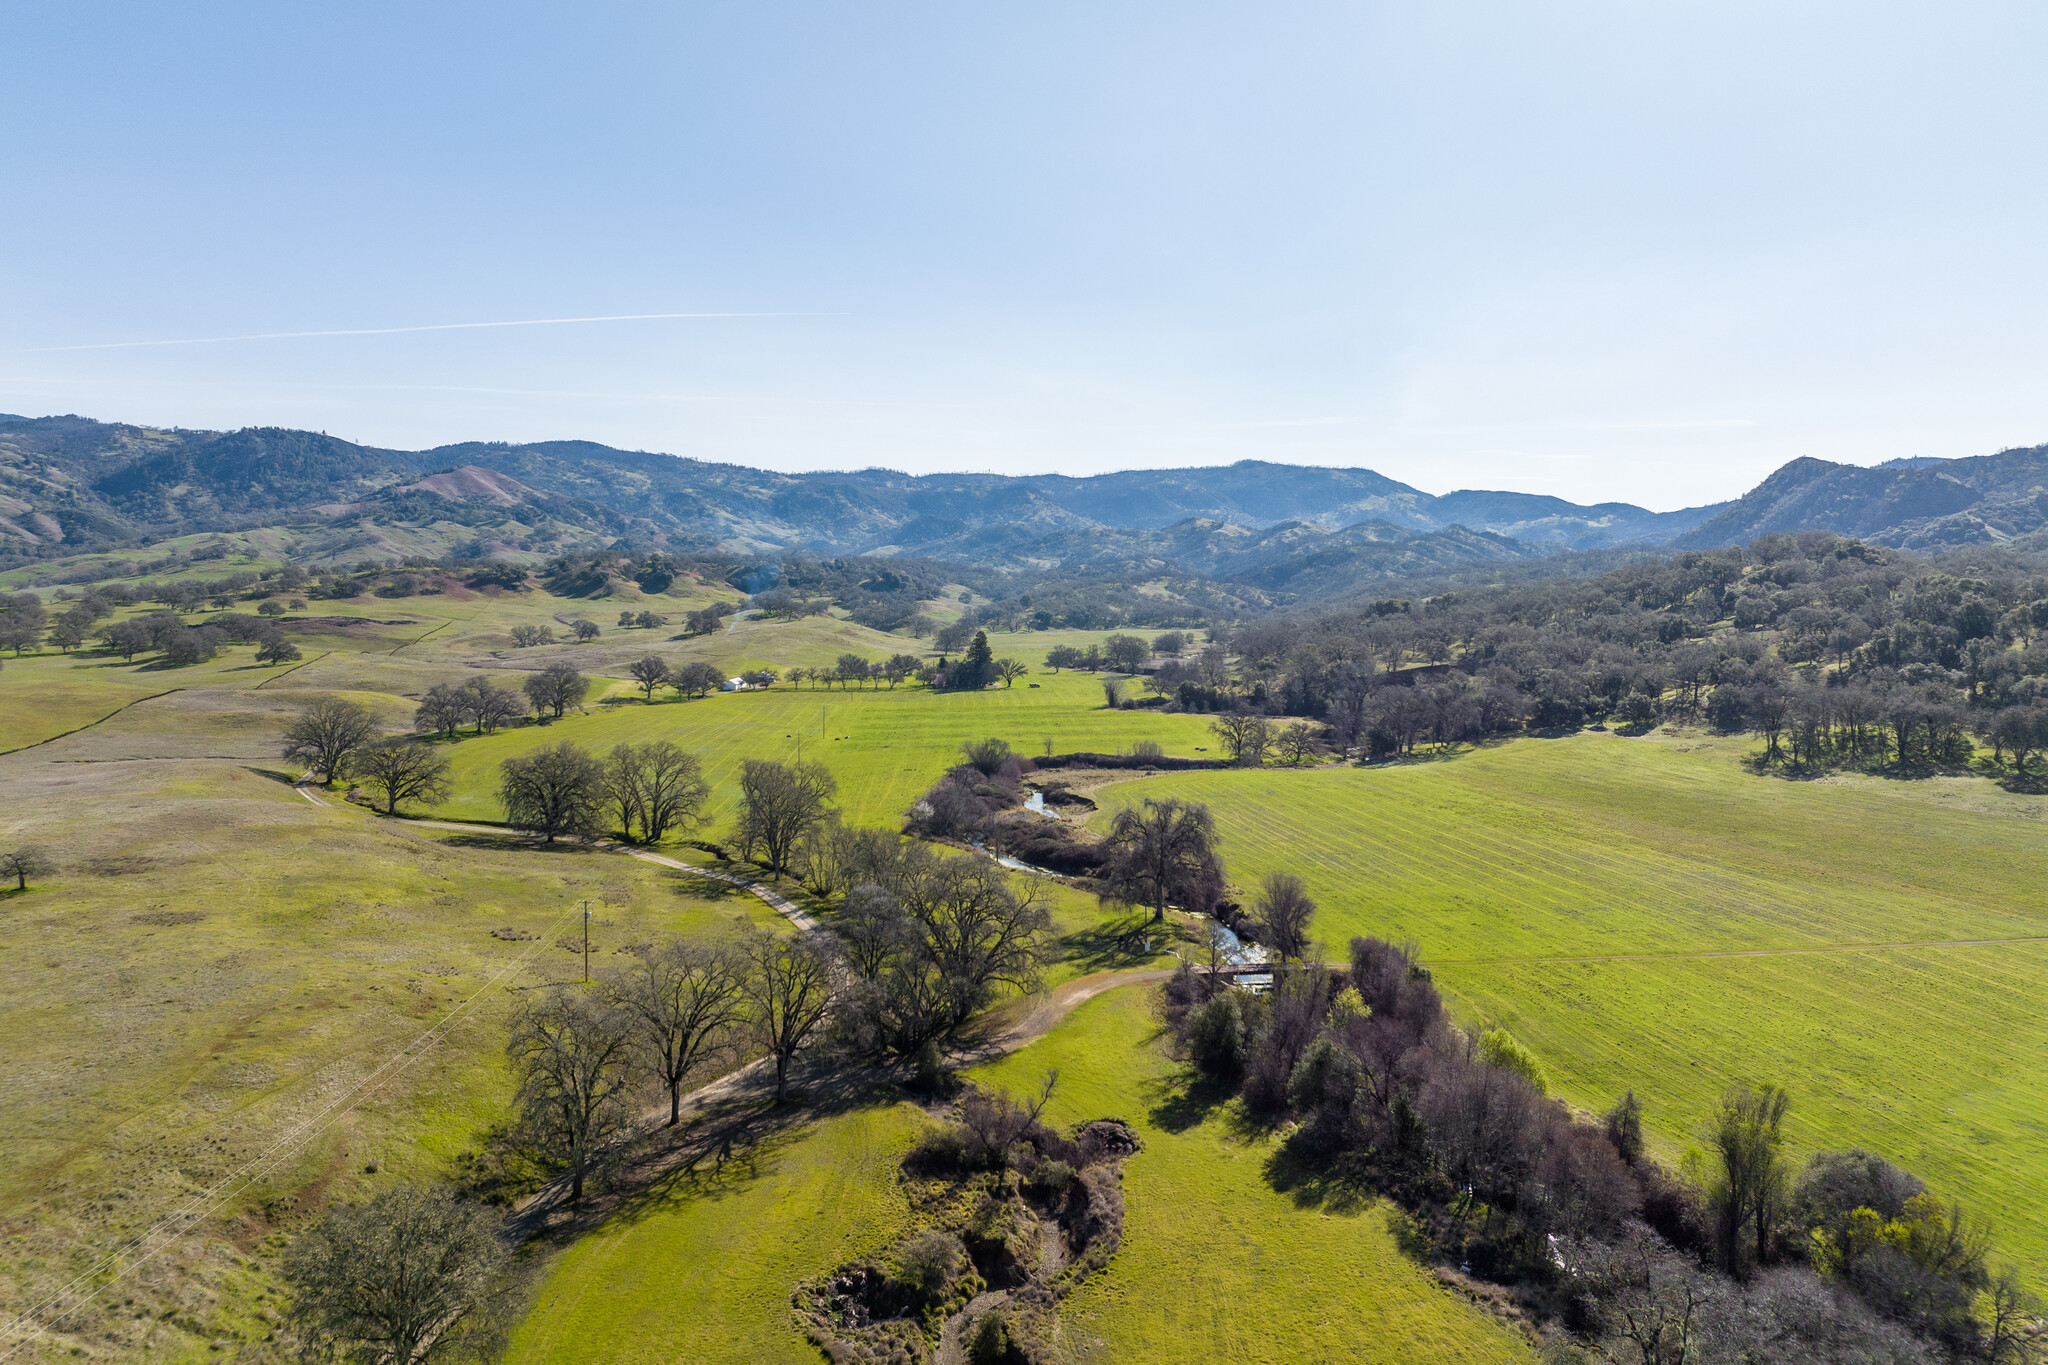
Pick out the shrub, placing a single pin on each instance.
(1216, 1041)
(941, 1150)
(928, 1263)
(1053, 1177)
(1499, 1048)
(986, 756)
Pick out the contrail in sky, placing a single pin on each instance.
(388, 331)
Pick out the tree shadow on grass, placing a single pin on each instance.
(1127, 941)
(701, 888)
(719, 1149)
(288, 779)
(1316, 1182)
(518, 839)
(1183, 1098)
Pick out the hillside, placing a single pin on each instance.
(78, 483)
(1910, 504)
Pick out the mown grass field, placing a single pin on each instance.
(1216, 1264)
(1650, 913)
(885, 747)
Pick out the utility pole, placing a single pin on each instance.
(586, 942)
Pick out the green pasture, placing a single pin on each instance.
(1651, 913)
(706, 1275)
(215, 961)
(1216, 1264)
(885, 746)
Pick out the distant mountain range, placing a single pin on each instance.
(71, 483)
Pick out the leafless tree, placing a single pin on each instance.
(24, 861)
(1284, 910)
(1296, 743)
(388, 1280)
(995, 1120)
(403, 771)
(573, 1054)
(2011, 1327)
(441, 711)
(667, 785)
(650, 672)
(696, 678)
(556, 790)
(789, 992)
(1658, 1302)
(685, 1000)
(958, 933)
(1165, 851)
(779, 804)
(488, 706)
(556, 688)
(1245, 736)
(326, 732)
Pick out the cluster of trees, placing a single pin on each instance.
(528, 636)
(929, 939)
(693, 679)
(1871, 655)
(1386, 1091)
(852, 668)
(404, 1276)
(24, 622)
(639, 792)
(336, 738)
(705, 620)
(1116, 654)
(641, 620)
(477, 701)
(975, 669)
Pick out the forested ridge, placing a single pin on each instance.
(1833, 649)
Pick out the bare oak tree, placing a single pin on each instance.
(1164, 851)
(403, 771)
(779, 804)
(388, 1280)
(556, 790)
(789, 990)
(573, 1055)
(1245, 736)
(1284, 910)
(556, 688)
(22, 862)
(657, 787)
(326, 732)
(650, 672)
(685, 999)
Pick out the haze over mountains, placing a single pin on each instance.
(70, 483)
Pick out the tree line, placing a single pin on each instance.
(1833, 650)
(1849, 1259)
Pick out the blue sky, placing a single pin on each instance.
(1645, 251)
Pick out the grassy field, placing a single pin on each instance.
(884, 746)
(706, 1277)
(1649, 913)
(216, 959)
(1216, 1264)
